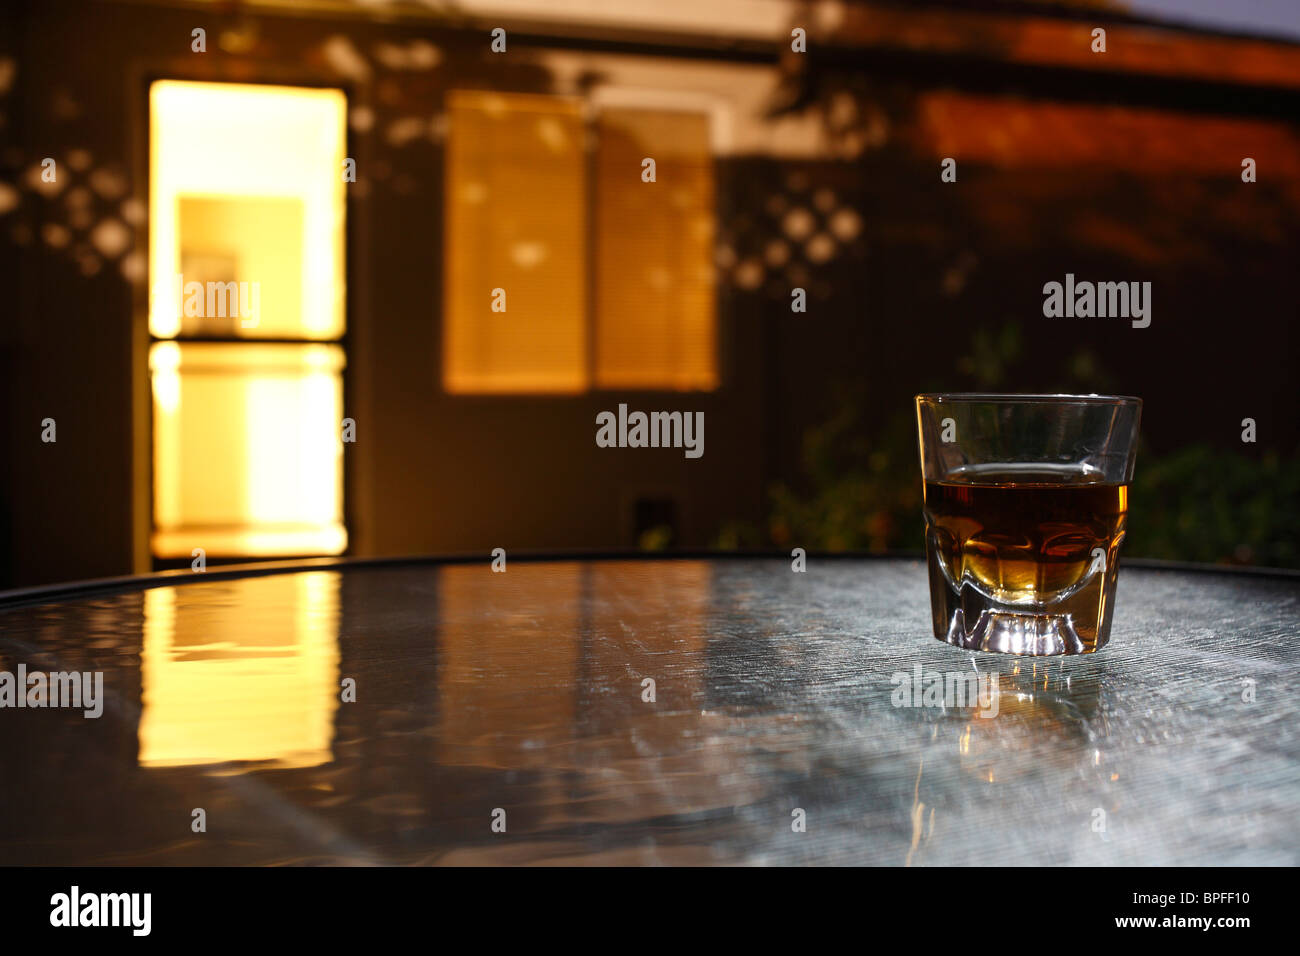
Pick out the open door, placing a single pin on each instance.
(246, 317)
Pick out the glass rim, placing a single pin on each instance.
(940, 398)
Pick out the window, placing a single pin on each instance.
(246, 219)
(565, 271)
(654, 262)
(515, 221)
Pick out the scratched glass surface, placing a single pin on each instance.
(773, 692)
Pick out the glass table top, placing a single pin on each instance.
(718, 711)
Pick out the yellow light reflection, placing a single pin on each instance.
(215, 691)
(492, 692)
(514, 700)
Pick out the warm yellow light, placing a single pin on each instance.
(246, 222)
(164, 360)
(214, 691)
(655, 301)
(246, 184)
(521, 266)
(247, 451)
(515, 222)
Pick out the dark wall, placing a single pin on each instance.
(945, 268)
(429, 472)
(939, 290)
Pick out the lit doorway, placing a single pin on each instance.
(246, 318)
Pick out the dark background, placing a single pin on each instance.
(1123, 166)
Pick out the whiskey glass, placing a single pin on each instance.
(1025, 500)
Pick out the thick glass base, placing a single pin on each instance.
(1011, 633)
(970, 615)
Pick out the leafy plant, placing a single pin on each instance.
(862, 488)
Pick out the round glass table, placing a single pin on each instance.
(712, 710)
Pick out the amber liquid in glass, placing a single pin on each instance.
(1025, 546)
